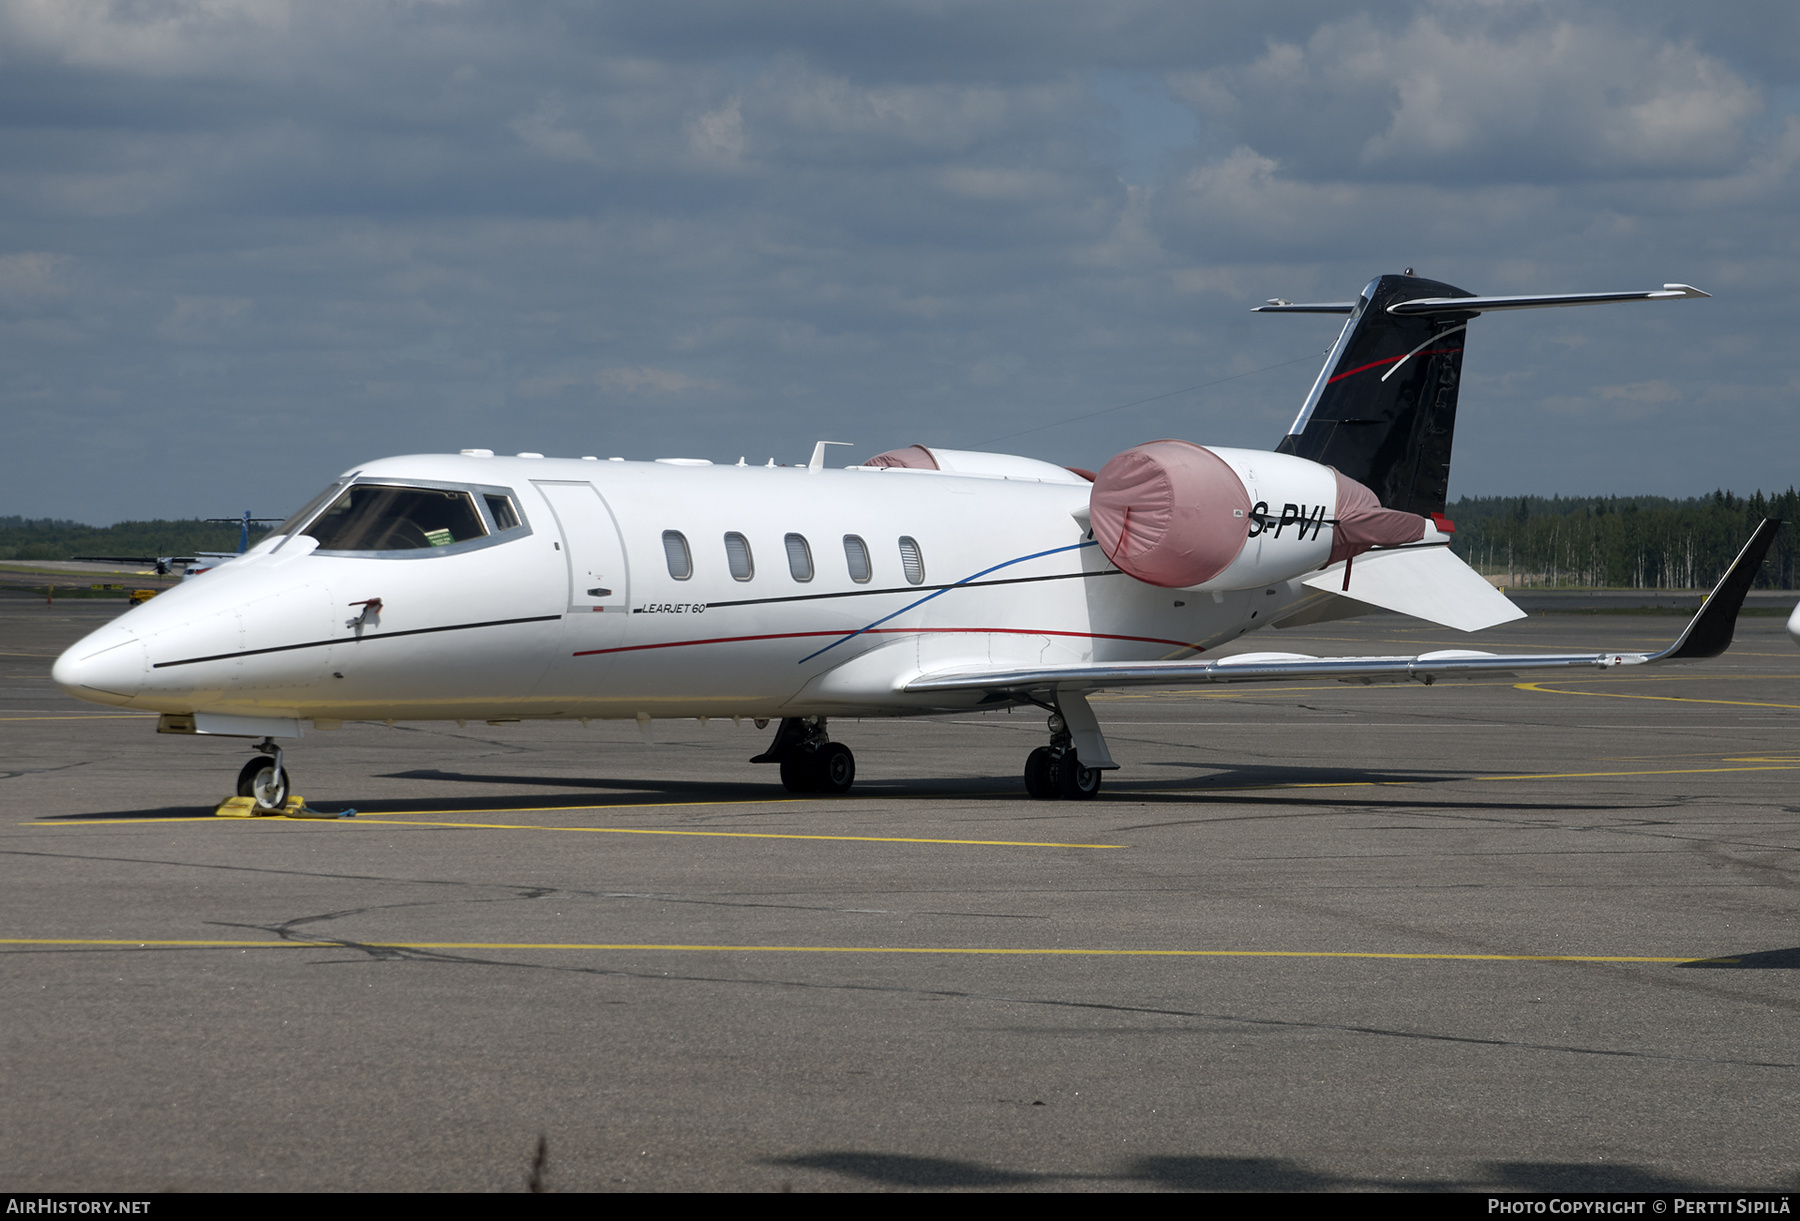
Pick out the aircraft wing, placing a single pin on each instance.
(1708, 634)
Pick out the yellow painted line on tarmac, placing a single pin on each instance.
(1692, 676)
(977, 951)
(864, 839)
(1308, 784)
(404, 814)
(1144, 693)
(1770, 766)
(1673, 771)
(1163, 693)
(125, 822)
(390, 820)
(1747, 764)
(1625, 695)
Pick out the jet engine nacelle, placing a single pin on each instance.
(1185, 516)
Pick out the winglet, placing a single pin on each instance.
(1709, 633)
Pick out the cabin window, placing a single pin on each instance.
(856, 555)
(911, 561)
(376, 517)
(799, 558)
(675, 551)
(500, 508)
(737, 557)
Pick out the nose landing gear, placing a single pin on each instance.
(1056, 770)
(264, 779)
(810, 761)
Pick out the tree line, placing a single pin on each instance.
(1630, 542)
(45, 538)
(1623, 542)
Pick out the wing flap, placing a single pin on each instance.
(1426, 668)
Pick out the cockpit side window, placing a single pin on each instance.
(500, 508)
(377, 517)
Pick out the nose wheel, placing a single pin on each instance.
(1056, 771)
(264, 778)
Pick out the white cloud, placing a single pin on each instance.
(631, 380)
(543, 131)
(718, 135)
(174, 35)
(203, 320)
(907, 218)
(643, 379)
(31, 278)
(1483, 93)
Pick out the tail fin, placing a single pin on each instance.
(1383, 410)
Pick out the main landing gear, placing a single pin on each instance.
(810, 761)
(1056, 770)
(264, 778)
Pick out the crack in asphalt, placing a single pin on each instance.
(43, 771)
(520, 890)
(409, 954)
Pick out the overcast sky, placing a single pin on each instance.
(246, 244)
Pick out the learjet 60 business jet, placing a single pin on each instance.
(921, 581)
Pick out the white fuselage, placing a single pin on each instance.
(578, 611)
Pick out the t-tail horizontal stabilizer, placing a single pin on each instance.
(1707, 635)
(1383, 408)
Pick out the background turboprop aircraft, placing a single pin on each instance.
(923, 580)
(190, 565)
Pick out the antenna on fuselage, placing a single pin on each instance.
(817, 463)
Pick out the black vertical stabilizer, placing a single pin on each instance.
(1383, 410)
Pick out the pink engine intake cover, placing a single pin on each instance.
(1170, 513)
(915, 456)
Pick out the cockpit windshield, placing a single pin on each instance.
(305, 514)
(377, 517)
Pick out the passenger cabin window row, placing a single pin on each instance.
(740, 562)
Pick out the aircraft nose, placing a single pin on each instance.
(106, 667)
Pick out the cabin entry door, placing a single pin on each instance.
(599, 601)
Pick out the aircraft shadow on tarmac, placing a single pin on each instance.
(1003, 786)
(1258, 785)
(1762, 960)
(1202, 785)
(694, 790)
(1234, 1174)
